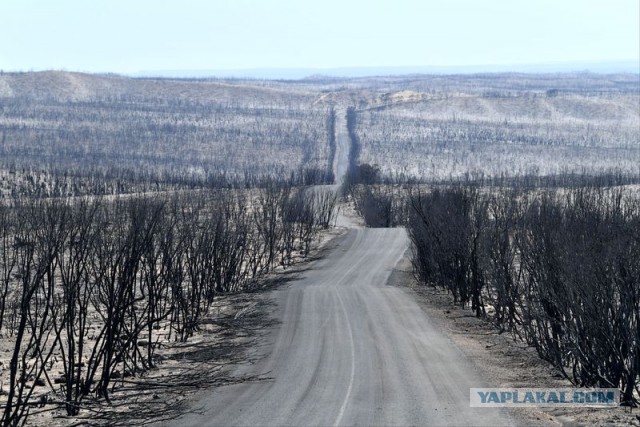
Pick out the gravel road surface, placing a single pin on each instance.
(351, 350)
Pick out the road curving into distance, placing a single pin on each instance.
(350, 350)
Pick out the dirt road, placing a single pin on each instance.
(350, 350)
(343, 145)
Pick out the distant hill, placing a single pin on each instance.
(160, 130)
(608, 67)
(71, 86)
(431, 126)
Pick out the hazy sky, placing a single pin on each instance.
(135, 35)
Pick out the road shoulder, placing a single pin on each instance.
(501, 361)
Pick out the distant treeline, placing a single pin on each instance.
(569, 179)
(29, 181)
(381, 199)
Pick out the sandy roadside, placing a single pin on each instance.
(503, 362)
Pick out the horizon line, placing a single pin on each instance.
(615, 66)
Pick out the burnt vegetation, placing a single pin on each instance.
(552, 125)
(559, 269)
(128, 206)
(80, 134)
(99, 284)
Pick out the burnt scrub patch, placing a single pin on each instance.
(235, 325)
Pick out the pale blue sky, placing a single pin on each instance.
(134, 35)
